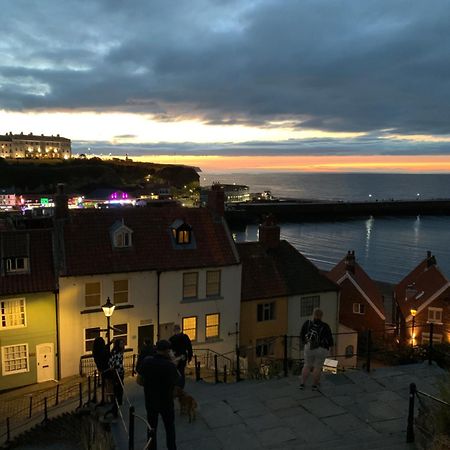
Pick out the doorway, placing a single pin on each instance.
(45, 359)
(144, 332)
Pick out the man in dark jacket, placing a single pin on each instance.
(182, 348)
(317, 337)
(160, 377)
(147, 349)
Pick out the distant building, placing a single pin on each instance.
(234, 193)
(30, 146)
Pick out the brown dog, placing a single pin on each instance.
(188, 405)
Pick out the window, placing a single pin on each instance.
(89, 336)
(92, 294)
(212, 283)
(12, 313)
(212, 325)
(121, 332)
(190, 327)
(349, 351)
(122, 239)
(437, 338)
(307, 305)
(181, 232)
(359, 308)
(16, 264)
(266, 311)
(15, 359)
(190, 285)
(434, 315)
(264, 347)
(120, 291)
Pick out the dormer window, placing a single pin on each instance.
(121, 235)
(16, 265)
(181, 232)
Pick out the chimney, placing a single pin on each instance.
(61, 206)
(216, 200)
(350, 261)
(431, 259)
(269, 232)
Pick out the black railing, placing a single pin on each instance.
(88, 367)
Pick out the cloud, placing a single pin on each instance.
(321, 64)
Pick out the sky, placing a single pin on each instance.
(228, 84)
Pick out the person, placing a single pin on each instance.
(147, 349)
(160, 378)
(116, 364)
(317, 338)
(101, 354)
(182, 349)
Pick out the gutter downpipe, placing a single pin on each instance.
(58, 357)
(158, 305)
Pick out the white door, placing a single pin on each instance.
(45, 362)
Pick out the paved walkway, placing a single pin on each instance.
(353, 411)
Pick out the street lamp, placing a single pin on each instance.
(413, 314)
(108, 309)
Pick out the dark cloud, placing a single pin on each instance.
(322, 64)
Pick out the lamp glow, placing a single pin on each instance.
(108, 308)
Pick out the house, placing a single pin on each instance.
(423, 298)
(28, 337)
(361, 302)
(280, 289)
(159, 266)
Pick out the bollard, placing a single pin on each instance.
(225, 373)
(430, 345)
(89, 389)
(216, 370)
(410, 428)
(369, 348)
(131, 428)
(45, 412)
(31, 407)
(57, 395)
(133, 369)
(94, 397)
(80, 393)
(197, 372)
(285, 355)
(8, 431)
(238, 364)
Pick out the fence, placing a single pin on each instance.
(88, 367)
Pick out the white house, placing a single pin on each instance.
(159, 266)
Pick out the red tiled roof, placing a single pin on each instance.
(40, 277)
(418, 286)
(361, 278)
(277, 272)
(89, 250)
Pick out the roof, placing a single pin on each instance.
(37, 245)
(31, 137)
(88, 245)
(419, 286)
(361, 278)
(280, 271)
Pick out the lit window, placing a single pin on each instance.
(308, 304)
(89, 337)
(212, 283)
(190, 327)
(92, 294)
(264, 347)
(190, 285)
(121, 332)
(434, 315)
(16, 265)
(266, 311)
(12, 313)
(120, 291)
(359, 308)
(212, 326)
(181, 232)
(15, 359)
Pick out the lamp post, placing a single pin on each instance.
(108, 309)
(413, 336)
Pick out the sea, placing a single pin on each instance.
(386, 247)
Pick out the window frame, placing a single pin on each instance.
(4, 360)
(121, 335)
(265, 311)
(85, 341)
(183, 329)
(425, 338)
(315, 303)
(3, 315)
(121, 291)
(218, 283)
(8, 263)
(125, 238)
(216, 336)
(268, 344)
(434, 310)
(359, 308)
(99, 294)
(185, 275)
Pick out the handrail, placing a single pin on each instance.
(438, 400)
(214, 352)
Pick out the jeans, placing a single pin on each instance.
(168, 417)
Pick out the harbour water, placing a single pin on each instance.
(387, 247)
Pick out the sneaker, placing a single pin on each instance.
(315, 387)
(302, 386)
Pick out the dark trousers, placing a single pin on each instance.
(181, 368)
(168, 417)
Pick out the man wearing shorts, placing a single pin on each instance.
(317, 337)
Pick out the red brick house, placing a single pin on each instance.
(361, 302)
(425, 295)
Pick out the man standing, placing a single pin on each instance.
(317, 337)
(182, 348)
(160, 377)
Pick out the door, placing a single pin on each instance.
(144, 332)
(45, 358)
(166, 330)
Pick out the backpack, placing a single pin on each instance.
(313, 335)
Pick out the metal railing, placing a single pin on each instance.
(88, 367)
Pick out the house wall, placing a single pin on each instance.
(40, 329)
(359, 322)
(348, 337)
(251, 329)
(142, 297)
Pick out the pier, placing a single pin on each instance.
(240, 214)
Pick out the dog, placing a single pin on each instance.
(188, 405)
